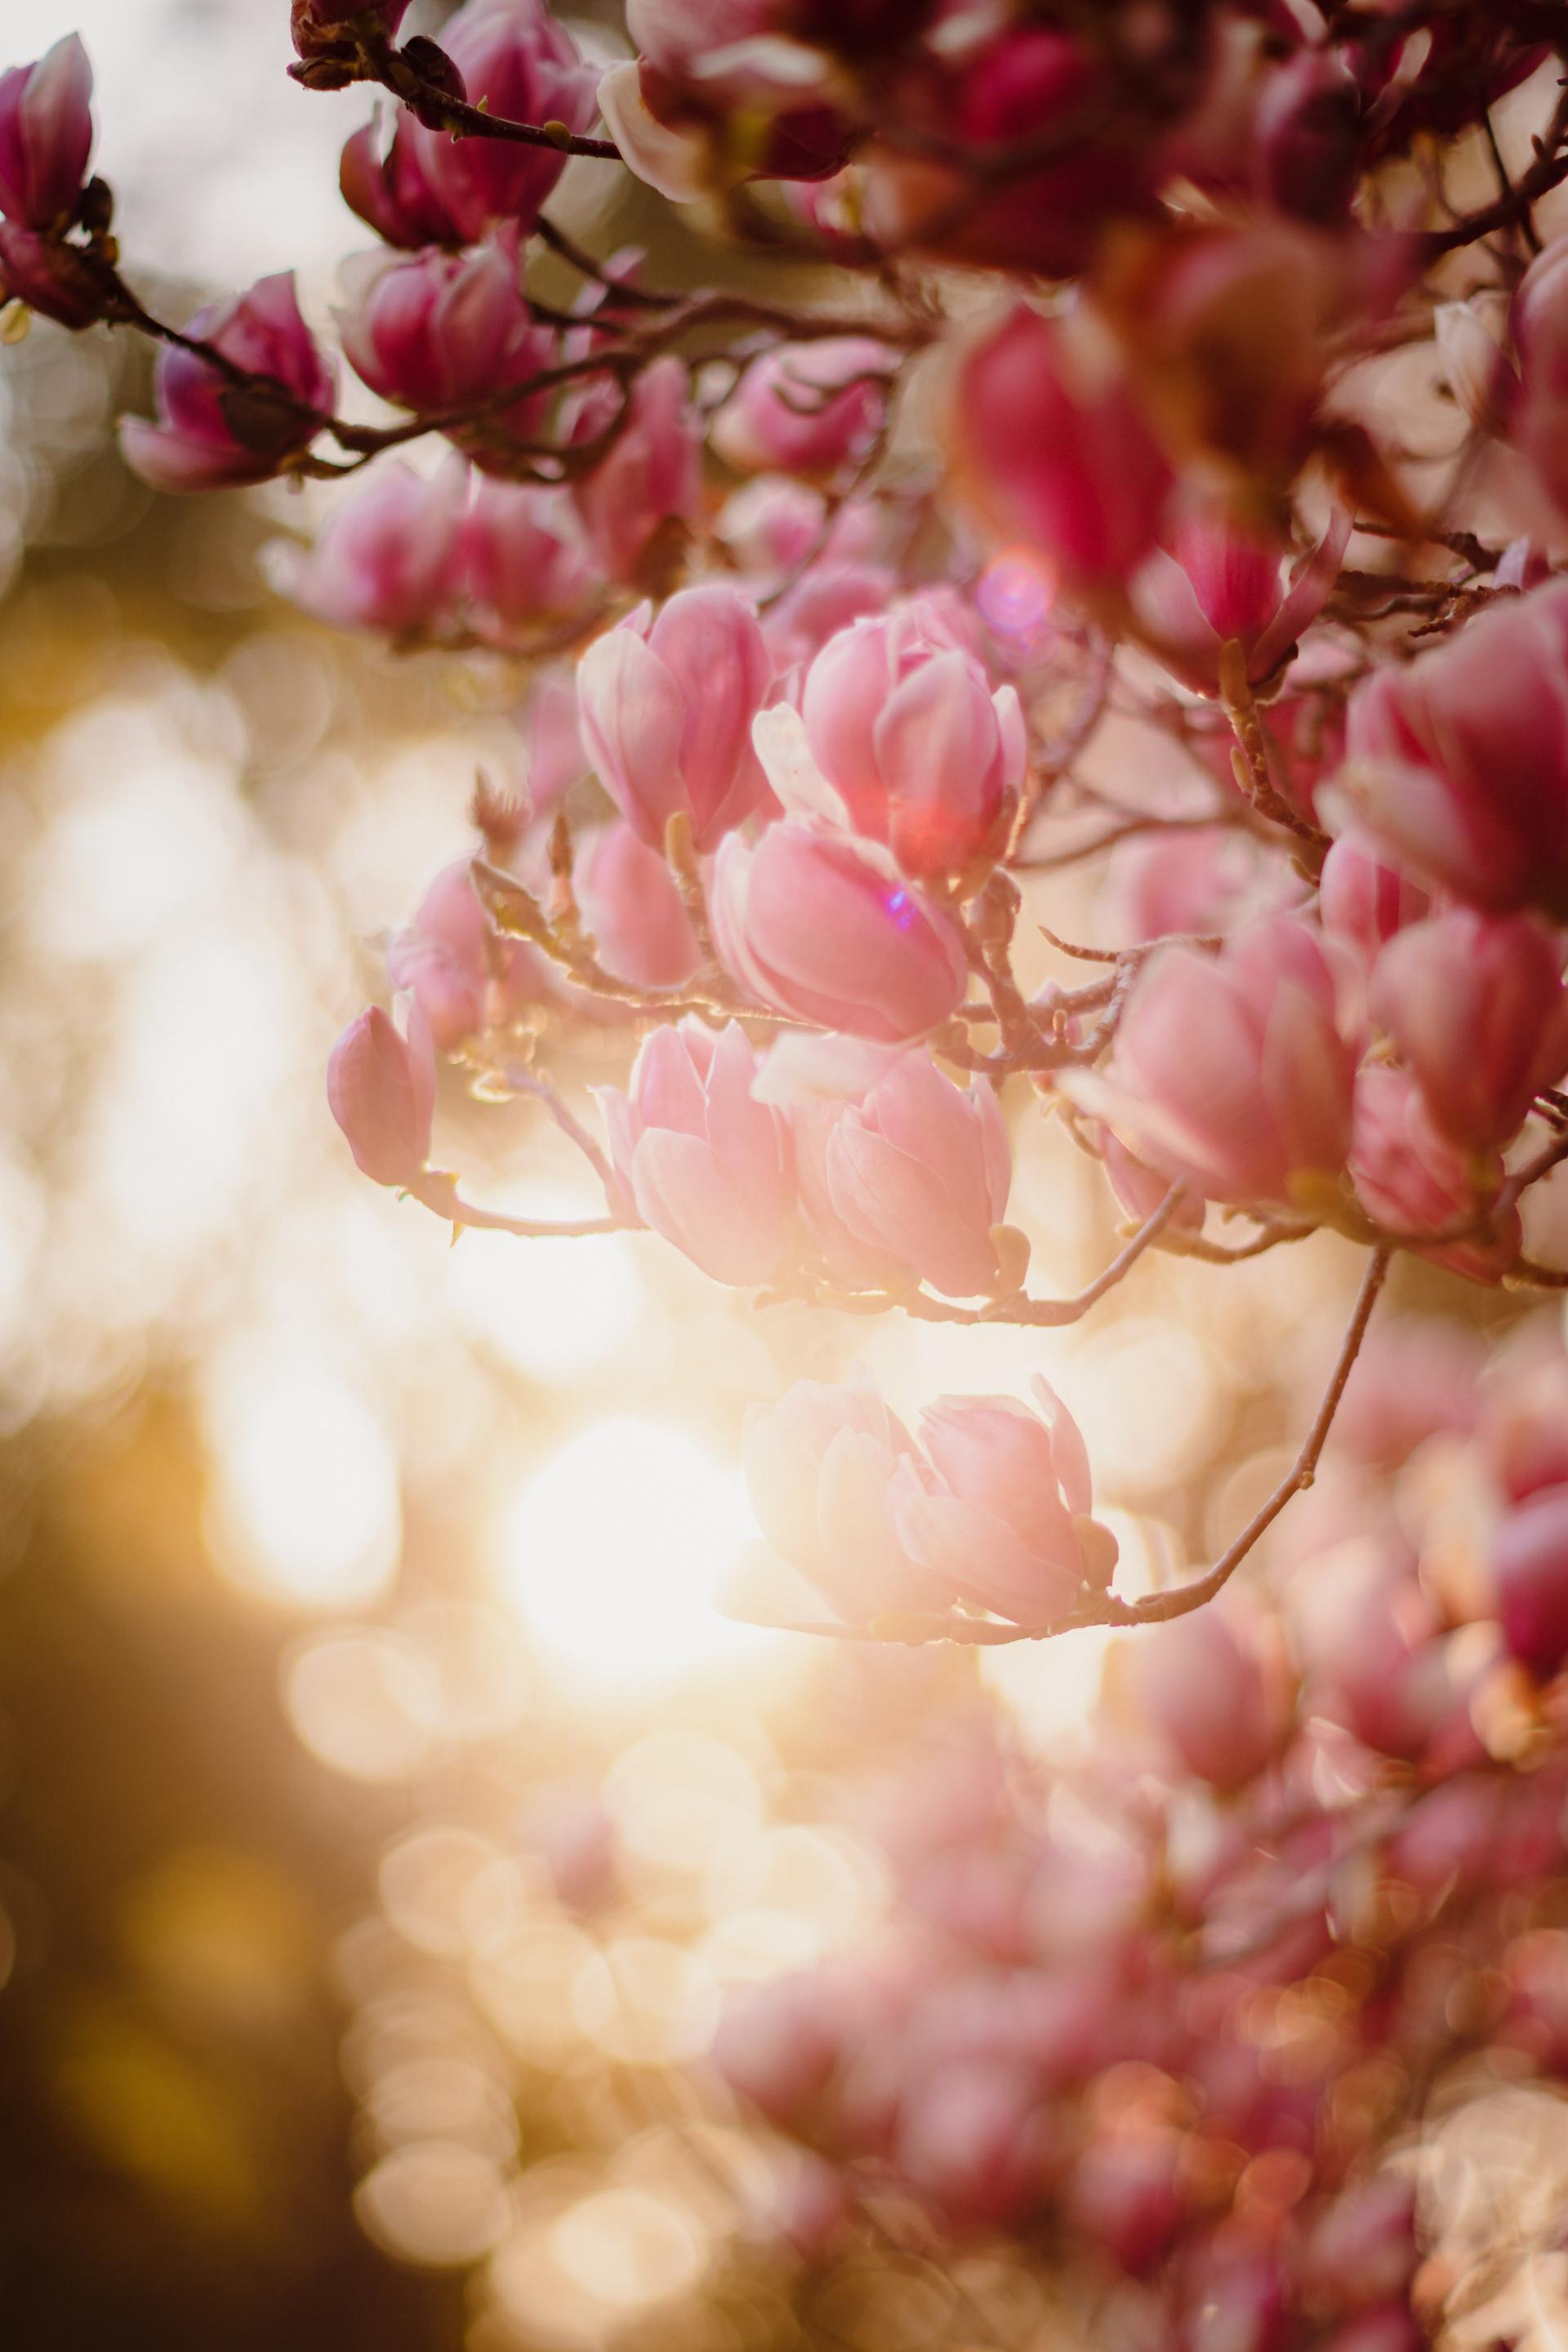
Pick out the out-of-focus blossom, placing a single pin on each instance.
(1231, 1072)
(1362, 900)
(1530, 1570)
(1538, 416)
(1307, 137)
(1459, 759)
(1411, 1179)
(1183, 883)
(1053, 449)
(569, 1827)
(1220, 583)
(46, 135)
(380, 1088)
(973, 2138)
(649, 479)
(517, 61)
(919, 1171)
(212, 431)
(1009, 1522)
(1414, 1378)
(808, 408)
(1475, 1006)
(1214, 1690)
(1524, 1416)
(828, 1470)
(667, 704)
(901, 738)
(463, 977)
(435, 331)
(1472, 345)
(776, 2047)
(522, 563)
(705, 1165)
(712, 100)
(632, 907)
(828, 929)
(388, 559)
(773, 526)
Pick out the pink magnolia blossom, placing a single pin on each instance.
(51, 275)
(706, 1165)
(812, 1080)
(632, 907)
(515, 60)
(211, 432)
(1054, 450)
(1184, 884)
(435, 331)
(1538, 413)
(1220, 583)
(1530, 1570)
(773, 526)
(1411, 1179)
(1231, 1072)
(777, 2046)
(919, 1171)
(462, 976)
(522, 563)
(1007, 1521)
(975, 2139)
(1363, 900)
(651, 478)
(1459, 759)
(46, 136)
(668, 703)
(808, 408)
(1307, 137)
(828, 1470)
(388, 559)
(829, 930)
(386, 179)
(380, 1088)
(1475, 1006)
(901, 738)
(1214, 1690)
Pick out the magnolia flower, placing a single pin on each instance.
(919, 1171)
(209, 433)
(807, 408)
(1475, 1004)
(1530, 1571)
(46, 136)
(380, 1088)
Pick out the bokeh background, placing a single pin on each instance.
(385, 1808)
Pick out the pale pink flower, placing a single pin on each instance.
(828, 1470)
(668, 703)
(829, 930)
(434, 331)
(807, 408)
(1007, 1521)
(814, 1079)
(651, 478)
(1054, 450)
(206, 437)
(1220, 583)
(387, 560)
(1459, 759)
(1215, 1688)
(380, 1088)
(1475, 1006)
(46, 136)
(706, 1166)
(901, 738)
(632, 907)
(1362, 900)
(1231, 1072)
(974, 2138)
(1538, 411)
(524, 565)
(919, 1171)
(1411, 1179)
(464, 978)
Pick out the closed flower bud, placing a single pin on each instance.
(919, 1171)
(388, 184)
(382, 1091)
(1007, 1520)
(1476, 1007)
(212, 432)
(46, 136)
(443, 331)
(668, 703)
(829, 930)
(706, 1166)
(515, 60)
(1231, 1072)
(1215, 1688)
(1411, 1179)
(649, 480)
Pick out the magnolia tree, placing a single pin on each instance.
(1083, 431)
